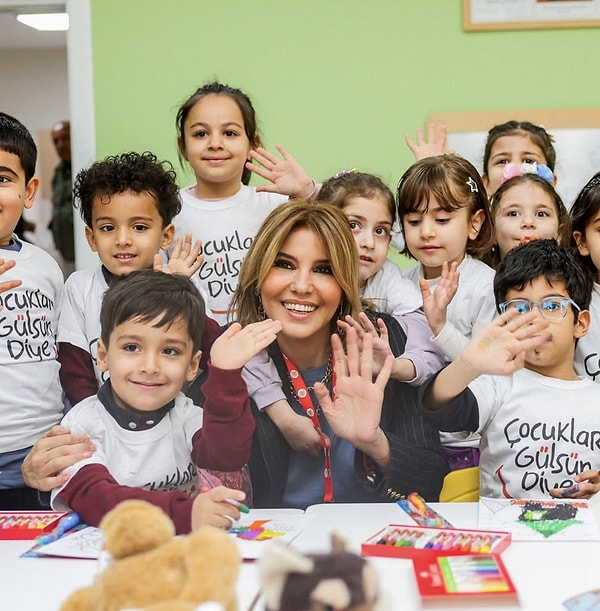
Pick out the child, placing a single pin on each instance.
(445, 219)
(32, 283)
(585, 220)
(149, 437)
(526, 207)
(127, 202)
(517, 142)
(539, 425)
(511, 148)
(217, 135)
(443, 209)
(370, 209)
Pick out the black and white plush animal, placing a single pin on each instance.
(334, 581)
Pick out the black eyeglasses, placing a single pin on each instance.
(554, 307)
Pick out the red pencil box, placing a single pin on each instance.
(28, 524)
(402, 541)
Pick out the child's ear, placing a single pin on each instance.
(581, 245)
(582, 324)
(168, 235)
(476, 222)
(91, 240)
(30, 190)
(101, 356)
(193, 368)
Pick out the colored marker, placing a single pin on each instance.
(243, 508)
(569, 491)
(65, 523)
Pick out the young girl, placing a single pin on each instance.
(517, 142)
(445, 218)
(444, 213)
(217, 136)
(526, 208)
(370, 209)
(585, 222)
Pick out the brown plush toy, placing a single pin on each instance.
(153, 570)
(338, 580)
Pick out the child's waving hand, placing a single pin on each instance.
(185, 258)
(237, 345)
(287, 176)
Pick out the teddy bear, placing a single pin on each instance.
(338, 580)
(153, 570)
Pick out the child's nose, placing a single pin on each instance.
(123, 236)
(150, 363)
(427, 228)
(366, 239)
(528, 220)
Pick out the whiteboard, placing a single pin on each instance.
(577, 148)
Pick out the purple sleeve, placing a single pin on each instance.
(263, 380)
(427, 357)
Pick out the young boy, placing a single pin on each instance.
(31, 291)
(127, 203)
(149, 437)
(539, 425)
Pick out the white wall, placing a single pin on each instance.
(35, 86)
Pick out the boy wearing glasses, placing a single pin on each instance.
(515, 382)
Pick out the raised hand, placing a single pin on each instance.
(436, 304)
(355, 412)
(380, 346)
(286, 175)
(185, 259)
(237, 345)
(434, 145)
(500, 347)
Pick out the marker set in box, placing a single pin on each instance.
(28, 524)
(401, 541)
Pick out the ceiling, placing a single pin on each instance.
(15, 35)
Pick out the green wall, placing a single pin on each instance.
(338, 83)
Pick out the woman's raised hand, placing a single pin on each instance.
(355, 411)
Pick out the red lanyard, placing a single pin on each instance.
(305, 401)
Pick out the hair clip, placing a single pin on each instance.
(472, 185)
(343, 173)
(512, 170)
(594, 182)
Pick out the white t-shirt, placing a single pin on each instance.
(227, 228)
(471, 308)
(158, 458)
(390, 292)
(587, 351)
(536, 432)
(30, 391)
(79, 323)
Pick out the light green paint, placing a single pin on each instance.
(337, 83)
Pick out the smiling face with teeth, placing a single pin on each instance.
(301, 291)
(127, 231)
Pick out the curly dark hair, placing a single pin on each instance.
(137, 172)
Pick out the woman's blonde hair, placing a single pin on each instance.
(330, 225)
